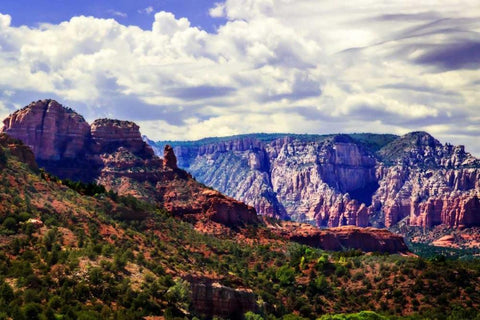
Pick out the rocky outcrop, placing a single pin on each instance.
(360, 180)
(312, 179)
(17, 149)
(344, 238)
(226, 210)
(109, 134)
(185, 197)
(169, 158)
(112, 153)
(212, 299)
(50, 130)
(287, 177)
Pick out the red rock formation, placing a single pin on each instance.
(19, 150)
(334, 181)
(288, 178)
(187, 198)
(112, 153)
(50, 130)
(429, 197)
(347, 237)
(108, 135)
(169, 158)
(227, 211)
(212, 299)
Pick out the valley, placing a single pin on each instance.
(94, 225)
(405, 182)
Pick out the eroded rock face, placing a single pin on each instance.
(429, 198)
(212, 299)
(289, 178)
(338, 180)
(429, 184)
(346, 237)
(112, 153)
(50, 130)
(185, 197)
(108, 135)
(169, 158)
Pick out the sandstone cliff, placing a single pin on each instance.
(212, 299)
(112, 153)
(50, 130)
(428, 183)
(360, 180)
(340, 238)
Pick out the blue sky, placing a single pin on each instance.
(194, 68)
(129, 12)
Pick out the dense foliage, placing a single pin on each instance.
(65, 253)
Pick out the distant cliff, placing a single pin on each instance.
(336, 180)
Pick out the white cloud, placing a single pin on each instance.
(147, 10)
(118, 13)
(217, 11)
(284, 65)
(5, 21)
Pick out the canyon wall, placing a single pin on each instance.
(336, 180)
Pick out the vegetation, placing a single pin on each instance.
(65, 254)
(372, 141)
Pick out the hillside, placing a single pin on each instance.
(112, 153)
(70, 250)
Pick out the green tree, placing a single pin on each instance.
(252, 316)
(31, 311)
(10, 224)
(6, 292)
(285, 275)
(179, 294)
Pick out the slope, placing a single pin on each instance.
(74, 251)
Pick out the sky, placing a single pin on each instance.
(187, 69)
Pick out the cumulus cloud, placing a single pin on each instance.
(272, 66)
(218, 11)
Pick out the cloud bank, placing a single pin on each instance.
(273, 66)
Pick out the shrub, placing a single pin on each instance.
(252, 316)
(10, 224)
(285, 275)
(32, 311)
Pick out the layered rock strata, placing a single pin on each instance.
(213, 299)
(338, 180)
(127, 165)
(112, 153)
(50, 130)
(341, 238)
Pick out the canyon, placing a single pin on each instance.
(120, 256)
(336, 180)
(113, 154)
(47, 201)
